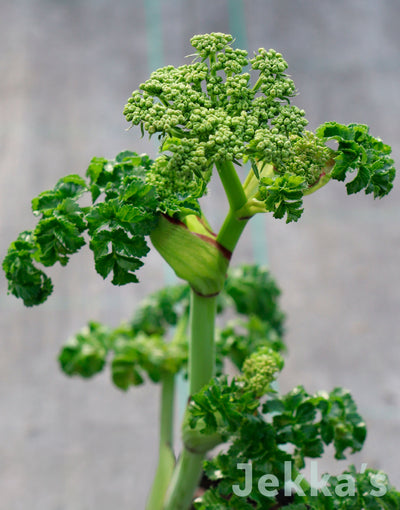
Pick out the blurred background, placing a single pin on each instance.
(67, 68)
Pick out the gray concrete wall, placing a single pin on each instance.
(66, 70)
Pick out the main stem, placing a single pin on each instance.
(201, 348)
(201, 369)
(166, 458)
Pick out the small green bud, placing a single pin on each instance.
(260, 369)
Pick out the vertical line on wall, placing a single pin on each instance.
(257, 225)
(155, 58)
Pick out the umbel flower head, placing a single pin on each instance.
(227, 107)
(210, 111)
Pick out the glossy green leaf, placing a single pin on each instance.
(283, 196)
(25, 280)
(359, 151)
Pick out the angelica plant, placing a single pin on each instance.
(231, 114)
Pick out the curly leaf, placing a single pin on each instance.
(221, 406)
(161, 310)
(69, 187)
(85, 353)
(115, 251)
(138, 355)
(309, 422)
(283, 195)
(57, 237)
(25, 280)
(359, 151)
(351, 490)
(255, 292)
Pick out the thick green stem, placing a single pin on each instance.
(167, 410)
(232, 185)
(231, 231)
(166, 459)
(201, 347)
(201, 369)
(232, 227)
(185, 481)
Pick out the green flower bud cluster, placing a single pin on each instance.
(269, 62)
(289, 120)
(232, 61)
(209, 44)
(259, 370)
(237, 95)
(303, 154)
(273, 82)
(270, 144)
(310, 154)
(208, 112)
(182, 181)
